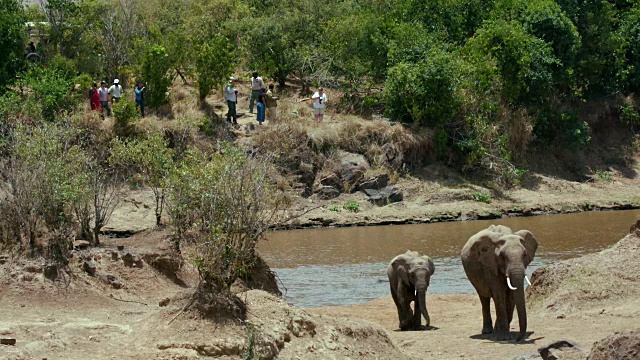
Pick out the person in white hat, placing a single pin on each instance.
(231, 97)
(115, 91)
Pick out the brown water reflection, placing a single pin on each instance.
(559, 236)
(348, 265)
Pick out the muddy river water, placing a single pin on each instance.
(345, 266)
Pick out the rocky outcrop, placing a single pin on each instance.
(384, 196)
(619, 346)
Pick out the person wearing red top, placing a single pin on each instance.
(94, 100)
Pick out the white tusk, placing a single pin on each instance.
(509, 284)
(528, 282)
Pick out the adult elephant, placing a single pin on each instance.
(495, 261)
(409, 276)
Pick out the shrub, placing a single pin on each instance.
(51, 89)
(214, 64)
(12, 37)
(48, 178)
(482, 197)
(124, 114)
(155, 68)
(351, 205)
(227, 201)
(150, 158)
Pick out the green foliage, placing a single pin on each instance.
(51, 88)
(629, 115)
(270, 49)
(155, 71)
(335, 208)
(149, 157)
(425, 93)
(630, 32)
(49, 177)
(227, 201)
(605, 175)
(214, 64)
(124, 114)
(525, 62)
(482, 197)
(351, 205)
(12, 37)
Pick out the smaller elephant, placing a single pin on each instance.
(409, 276)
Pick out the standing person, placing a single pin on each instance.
(261, 109)
(271, 102)
(94, 97)
(231, 97)
(102, 94)
(140, 92)
(256, 88)
(115, 91)
(319, 104)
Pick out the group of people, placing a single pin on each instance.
(266, 102)
(100, 99)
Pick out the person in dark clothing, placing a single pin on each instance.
(140, 91)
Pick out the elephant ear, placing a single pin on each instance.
(530, 243)
(432, 267)
(401, 267)
(485, 249)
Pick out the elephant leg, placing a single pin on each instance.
(417, 316)
(487, 326)
(501, 328)
(511, 304)
(404, 308)
(399, 307)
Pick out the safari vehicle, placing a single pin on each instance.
(39, 36)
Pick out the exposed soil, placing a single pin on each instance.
(129, 309)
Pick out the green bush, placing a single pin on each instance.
(226, 201)
(482, 197)
(51, 88)
(425, 93)
(124, 114)
(214, 64)
(155, 71)
(351, 205)
(12, 36)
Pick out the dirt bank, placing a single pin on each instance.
(131, 307)
(583, 300)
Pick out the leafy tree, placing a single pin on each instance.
(215, 62)
(12, 40)
(155, 71)
(51, 88)
(271, 50)
(526, 62)
(630, 31)
(426, 93)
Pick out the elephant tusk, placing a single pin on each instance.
(528, 282)
(509, 284)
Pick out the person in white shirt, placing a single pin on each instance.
(115, 91)
(231, 97)
(104, 101)
(257, 85)
(319, 104)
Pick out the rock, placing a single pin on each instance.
(89, 267)
(4, 259)
(51, 272)
(81, 244)
(113, 281)
(332, 180)
(384, 196)
(307, 176)
(375, 183)
(7, 341)
(120, 247)
(619, 346)
(353, 177)
(350, 161)
(115, 256)
(164, 302)
(391, 157)
(327, 193)
(553, 350)
(132, 261)
(167, 265)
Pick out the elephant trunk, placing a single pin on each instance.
(517, 280)
(422, 305)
